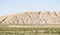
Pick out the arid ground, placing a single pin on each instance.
(31, 23)
(29, 30)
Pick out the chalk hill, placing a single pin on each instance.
(32, 18)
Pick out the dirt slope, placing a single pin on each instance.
(32, 18)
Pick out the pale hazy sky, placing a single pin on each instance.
(15, 6)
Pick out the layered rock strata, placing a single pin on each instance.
(32, 18)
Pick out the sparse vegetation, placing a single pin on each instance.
(29, 31)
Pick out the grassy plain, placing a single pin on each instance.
(29, 29)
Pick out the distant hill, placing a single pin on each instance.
(31, 18)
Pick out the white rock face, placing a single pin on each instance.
(32, 18)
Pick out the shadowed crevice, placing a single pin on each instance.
(48, 13)
(39, 13)
(55, 13)
(3, 20)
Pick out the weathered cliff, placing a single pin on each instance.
(32, 18)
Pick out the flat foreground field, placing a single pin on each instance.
(29, 29)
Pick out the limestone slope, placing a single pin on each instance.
(32, 18)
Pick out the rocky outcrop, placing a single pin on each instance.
(32, 18)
